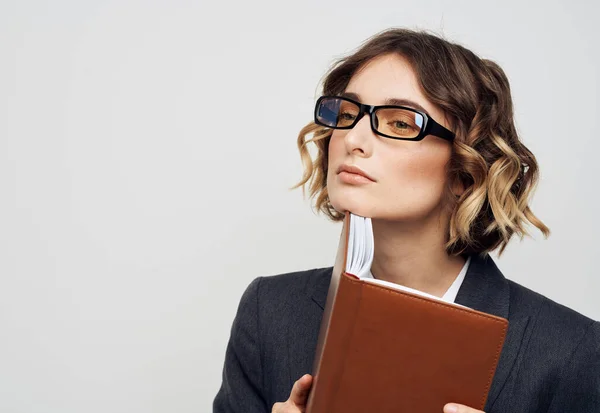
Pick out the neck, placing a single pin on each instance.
(413, 255)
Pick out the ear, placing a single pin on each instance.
(457, 187)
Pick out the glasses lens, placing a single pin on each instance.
(399, 123)
(336, 112)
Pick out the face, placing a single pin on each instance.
(408, 178)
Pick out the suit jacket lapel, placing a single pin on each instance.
(303, 329)
(484, 289)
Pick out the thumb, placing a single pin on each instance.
(459, 408)
(300, 390)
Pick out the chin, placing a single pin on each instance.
(374, 207)
(356, 206)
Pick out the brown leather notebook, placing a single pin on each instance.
(386, 350)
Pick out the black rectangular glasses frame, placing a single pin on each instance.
(430, 126)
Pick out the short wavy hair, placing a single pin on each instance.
(488, 159)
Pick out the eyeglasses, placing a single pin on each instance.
(395, 122)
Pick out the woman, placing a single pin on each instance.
(442, 173)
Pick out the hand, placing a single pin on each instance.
(297, 400)
(459, 408)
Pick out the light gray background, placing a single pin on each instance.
(136, 205)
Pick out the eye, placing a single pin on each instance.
(347, 116)
(400, 124)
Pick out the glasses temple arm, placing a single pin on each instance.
(434, 128)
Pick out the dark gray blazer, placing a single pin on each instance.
(550, 361)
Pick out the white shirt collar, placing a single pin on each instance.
(450, 295)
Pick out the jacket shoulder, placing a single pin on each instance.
(293, 283)
(560, 357)
(526, 302)
(279, 295)
(558, 332)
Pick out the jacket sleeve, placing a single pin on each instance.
(578, 389)
(242, 387)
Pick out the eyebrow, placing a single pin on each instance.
(389, 101)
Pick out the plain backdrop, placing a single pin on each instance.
(147, 148)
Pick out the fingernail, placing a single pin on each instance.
(450, 408)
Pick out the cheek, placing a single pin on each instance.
(336, 146)
(418, 173)
(335, 153)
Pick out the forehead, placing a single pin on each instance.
(388, 76)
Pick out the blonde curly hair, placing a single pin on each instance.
(496, 170)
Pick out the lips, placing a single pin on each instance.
(351, 169)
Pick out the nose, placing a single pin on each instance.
(359, 139)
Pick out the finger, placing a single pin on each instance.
(300, 390)
(459, 408)
(277, 407)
